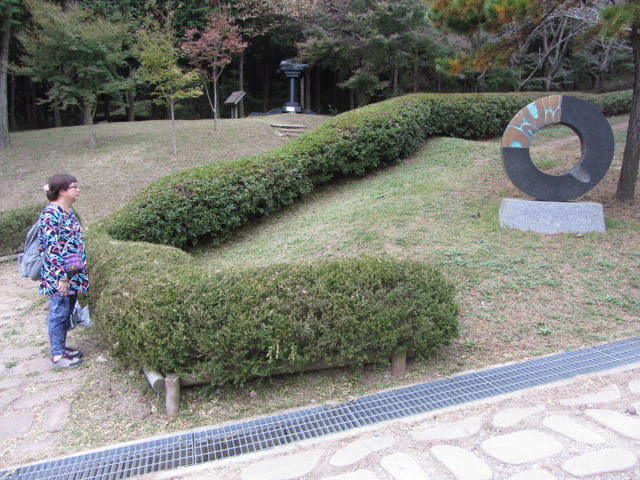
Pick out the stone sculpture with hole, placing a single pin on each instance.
(553, 212)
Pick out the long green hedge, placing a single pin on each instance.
(213, 201)
(156, 307)
(14, 225)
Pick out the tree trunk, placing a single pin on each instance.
(4, 62)
(267, 75)
(307, 89)
(215, 104)
(88, 111)
(604, 67)
(241, 85)
(13, 119)
(173, 127)
(318, 97)
(597, 82)
(214, 87)
(205, 83)
(631, 157)
(57, 116)
(131, 114)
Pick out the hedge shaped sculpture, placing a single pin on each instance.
(172, 315)
(213, 201)
(175, 316)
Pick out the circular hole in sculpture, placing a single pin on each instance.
(555, 149)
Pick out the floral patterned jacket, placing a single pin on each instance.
(60, 234)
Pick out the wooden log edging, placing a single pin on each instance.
(170, 386)
(399, 364)
(172, 394)
(155, 379)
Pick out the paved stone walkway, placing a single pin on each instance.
(34, 399)
(584, 428)
(588, 427)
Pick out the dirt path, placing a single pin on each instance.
(35, 400)
(36, 403)
(27, 402)
(562, 142)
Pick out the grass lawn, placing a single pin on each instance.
(128, 156)
(521, 294)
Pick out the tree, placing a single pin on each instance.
(76, 53)
(516, 21)
(159, 66)
(399, 32)
(184, 14)
(487, 27)
(623, 19)
(602, 54)
(553, 40)
(368, 43)
(211, 50)
(267, 19)
(10, 10)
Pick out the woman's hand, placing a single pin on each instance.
(63, 286)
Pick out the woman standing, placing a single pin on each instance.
(64, 270)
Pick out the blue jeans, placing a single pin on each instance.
(59, 321)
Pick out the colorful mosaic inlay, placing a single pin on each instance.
(544, 111)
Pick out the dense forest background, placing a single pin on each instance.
(357, 52)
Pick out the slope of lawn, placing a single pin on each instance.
(522, 294)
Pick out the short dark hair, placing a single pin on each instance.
(60, 181)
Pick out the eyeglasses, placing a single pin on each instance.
(77, 187)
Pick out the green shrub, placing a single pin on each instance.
(212, 202)
(612, 103)
(231, 326)
(155, 307)
(14, 225)
(209, 201)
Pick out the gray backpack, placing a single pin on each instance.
(30, 261)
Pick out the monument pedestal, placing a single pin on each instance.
(552, 217)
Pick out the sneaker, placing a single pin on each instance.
(65, 361)
(72, 352)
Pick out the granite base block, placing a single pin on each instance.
(552, 217)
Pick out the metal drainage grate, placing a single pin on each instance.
(233, 440)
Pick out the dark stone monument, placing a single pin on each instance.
(596, 146)
(293, 71)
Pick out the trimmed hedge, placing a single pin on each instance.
(213, 201)
(14, 225)
(175, 316)
(155, 307)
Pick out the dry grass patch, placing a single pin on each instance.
(128, 156)
(521, 294)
